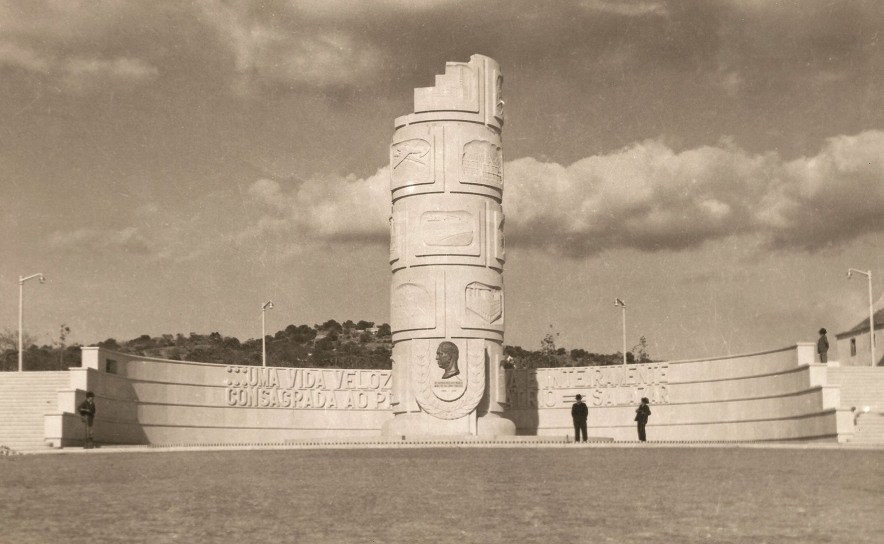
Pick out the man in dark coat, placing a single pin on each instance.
(822, 346)
(86, 409)
(641, 416)
(579, 413)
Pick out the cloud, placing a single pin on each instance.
(646, 196)
(12, 54)
(629, 8)
(127, 240)
(651, 198)
(81, 74)
(273, 48)
(321, 211)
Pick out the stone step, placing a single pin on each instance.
(869, 429)
(860, 386)
(24, 400)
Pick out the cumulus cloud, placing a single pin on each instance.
(126, 240)
(320, 211)
(650, 197)
(646, 196)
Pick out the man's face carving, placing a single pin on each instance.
(446, 357)
(443, 358)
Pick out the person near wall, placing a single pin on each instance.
(822, 346)
(86, 409)
(641, 417)
(579, 413)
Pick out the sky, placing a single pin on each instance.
(171, 166)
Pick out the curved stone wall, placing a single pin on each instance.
(775, 395)
(155, 401)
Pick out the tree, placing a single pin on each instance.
(110, 343)
(9, 340)
(384, 331)
(63, 332)
(639, 351)
(331, 325)
(548, 348)
(362, 325)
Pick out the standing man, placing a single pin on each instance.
(579, 413)
(641, 416)
(86, 409)
(822, 346)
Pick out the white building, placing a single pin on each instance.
(853, 345)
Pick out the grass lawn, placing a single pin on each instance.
(507, 495)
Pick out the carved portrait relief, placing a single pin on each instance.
(452, 387)
(446, 357)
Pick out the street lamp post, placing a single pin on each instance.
(618, 302)
(868, 274)
(267, 306)
(21, 300)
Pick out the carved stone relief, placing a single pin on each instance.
(498, 112)
(457, 89)
(499, 239)
(482, 164)
(395, 230)
(455, 396)
(413, 306)
(485, 301)
(411, 162)
(447, 228)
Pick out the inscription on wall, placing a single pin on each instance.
(600, 385)
(307, 388)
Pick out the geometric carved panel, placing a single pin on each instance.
(457, 89)
(498, 106)
(411, 162)
(453, 228)
(499, 239)
(413, 307)
(485, 301)
(483, 164)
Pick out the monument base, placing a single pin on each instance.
(494, 425)
(423, 424)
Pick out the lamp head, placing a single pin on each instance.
(42, 279)
(849, 274)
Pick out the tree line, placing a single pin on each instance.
(358, 345)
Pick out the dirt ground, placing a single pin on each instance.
(506, 495)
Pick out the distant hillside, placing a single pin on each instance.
(330, 345)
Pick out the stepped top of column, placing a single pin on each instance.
(467, 91)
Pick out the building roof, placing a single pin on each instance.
(863, 325)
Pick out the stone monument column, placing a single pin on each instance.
(447, 256)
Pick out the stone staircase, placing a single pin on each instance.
(869, 428)
(862, 388)
(24, 398)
